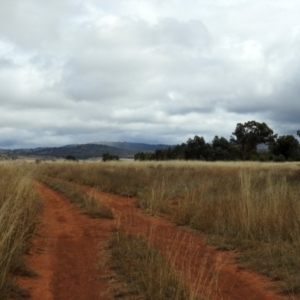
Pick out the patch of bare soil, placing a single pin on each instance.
(68, 245)
(67, 253)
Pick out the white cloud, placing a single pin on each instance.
(157, 71)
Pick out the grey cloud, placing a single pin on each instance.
(34, 25)
(6, 63)
(161, 71)
(105, 70)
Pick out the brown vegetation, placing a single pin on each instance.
(148, 273)
(250, 208)
(19, 208)
(87, 203)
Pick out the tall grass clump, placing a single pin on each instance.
(247, 205)
(148, 273)
(254, 210)
(19, 208)
(162, 185)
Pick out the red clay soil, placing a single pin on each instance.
(68, 246)
(66, 253)
(207, 272)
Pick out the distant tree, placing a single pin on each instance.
(169, 153)
(220, 143)
(298, 132)
(71, 157)
(178, 152)
(250, 134)
(286, 145)
(139, 156)
(220, 149)
(159, 154)
(196, 149)
(107, 156)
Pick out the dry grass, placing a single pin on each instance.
(90, 205)
(19, 208)
(148, 273)
(251, 207)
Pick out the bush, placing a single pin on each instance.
(107, 156)
(70, 157)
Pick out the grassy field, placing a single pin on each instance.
(252, 208)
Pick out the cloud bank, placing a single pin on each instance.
(147, 71)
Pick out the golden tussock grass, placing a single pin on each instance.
(148, 273)
(253, 208)
(19, 208)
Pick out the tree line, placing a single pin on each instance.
(242, 145)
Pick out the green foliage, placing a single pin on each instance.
(107, 157)
(242, 146)
(286, 146)
(222, 149)
(195, 149)
(70, 157)
(250, 134)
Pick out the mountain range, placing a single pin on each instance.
(84, 151)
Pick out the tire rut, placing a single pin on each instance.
(66, 252)
(69, 250)
(209, 273)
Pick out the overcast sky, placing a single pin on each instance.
(155, 71)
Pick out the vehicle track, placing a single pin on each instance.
(69, 253)
(210, 273)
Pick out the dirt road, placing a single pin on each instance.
(69, 251)
(66, 253)
(210, 273)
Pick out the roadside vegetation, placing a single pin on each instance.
(19, 209)
(89, 204)
(148, 273)
(252, 208)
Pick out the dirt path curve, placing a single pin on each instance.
(65, 252)
(208, 272)
(68, 245)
